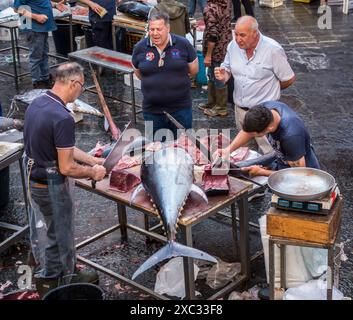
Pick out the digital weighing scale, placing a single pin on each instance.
(320, 206)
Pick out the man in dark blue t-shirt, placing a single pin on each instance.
(164, 62)
(51, 159)
(286, 132)
(101, 13)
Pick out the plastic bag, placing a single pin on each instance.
(312, 290)
(296, 270)
(170, 278)
(222, 273)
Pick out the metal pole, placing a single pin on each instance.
(133, 96)
(271, 271)
(123, 221)
(13, 48)
(235, 230)
(244, 235)
(188, 265)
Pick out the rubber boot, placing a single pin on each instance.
(211, 97)
(220, 109)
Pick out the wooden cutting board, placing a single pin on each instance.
(9, 148)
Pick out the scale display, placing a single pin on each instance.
(299, 205)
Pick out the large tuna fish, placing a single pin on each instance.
(167, 176)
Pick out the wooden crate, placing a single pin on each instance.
(305, 226)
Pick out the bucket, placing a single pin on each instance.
(75, 291)
(4, 186)
(201, 77)
(61, 37)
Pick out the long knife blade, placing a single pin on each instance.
(199, 145)
(116, 152)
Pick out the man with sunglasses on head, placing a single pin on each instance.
(52, 160)
(164, 63)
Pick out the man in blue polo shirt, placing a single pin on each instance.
(286, 132)
(164, 62)
(101, 13)
(37, 20)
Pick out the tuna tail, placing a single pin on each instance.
(172, 249)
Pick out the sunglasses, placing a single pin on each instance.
(161, 61)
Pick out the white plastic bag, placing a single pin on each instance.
(170, 278)
(296, 270)
(312, 290)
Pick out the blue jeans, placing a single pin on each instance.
(212, 78)
(192, 6)
(160, 121)
(38, 55)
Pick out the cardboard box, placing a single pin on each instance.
(305, 226)
(137, 81)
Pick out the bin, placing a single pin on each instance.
(201, 77)
(4, 186)
(75, 291)
(62, 39)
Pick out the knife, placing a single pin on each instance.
(115, 153)
(204, 150)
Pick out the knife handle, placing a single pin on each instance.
(93, 182)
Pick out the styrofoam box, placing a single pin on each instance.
(270, 3)
(137, 81)
(5, 34)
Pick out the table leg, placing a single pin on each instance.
(283, 266)
(23, 186)
(114, 37)
(188, 265)
(235, 230)
(133, 96)
(330, 272)
(123, 221)
(13, 49)
(71, 34)
(271, 269)
(244, 236)
(17, 49)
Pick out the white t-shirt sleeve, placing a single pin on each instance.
(281, 67)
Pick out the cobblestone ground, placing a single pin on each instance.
(322, 94)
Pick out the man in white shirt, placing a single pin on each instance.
(260, 70)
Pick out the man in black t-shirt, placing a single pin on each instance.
(163, 62)
(51, 158)
(286, 132)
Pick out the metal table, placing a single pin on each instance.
(194, 212)
(19, 231)
(113, 60)
(15, 48)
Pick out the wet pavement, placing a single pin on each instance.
(322, 95)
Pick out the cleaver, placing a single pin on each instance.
(116, 152)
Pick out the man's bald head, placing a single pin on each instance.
(247, 32)
(249, 22)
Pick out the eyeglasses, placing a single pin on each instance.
(83, 88)
(161, 61)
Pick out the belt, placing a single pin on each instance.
(40, 185)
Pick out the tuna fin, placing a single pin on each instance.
(138, 189)
(199, 191)
(172, 249)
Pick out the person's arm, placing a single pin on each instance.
(84, 157)
(40, 18)
(95, 7)
(193, 67)
(68, 166)
(298, 163)
(286, 84)
(138, 74)
(208, 57)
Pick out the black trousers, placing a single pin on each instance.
(102, 34)
(237, 8)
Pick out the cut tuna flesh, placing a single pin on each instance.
(123, 181)
(214, 184)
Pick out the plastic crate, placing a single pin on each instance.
(131, 38)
